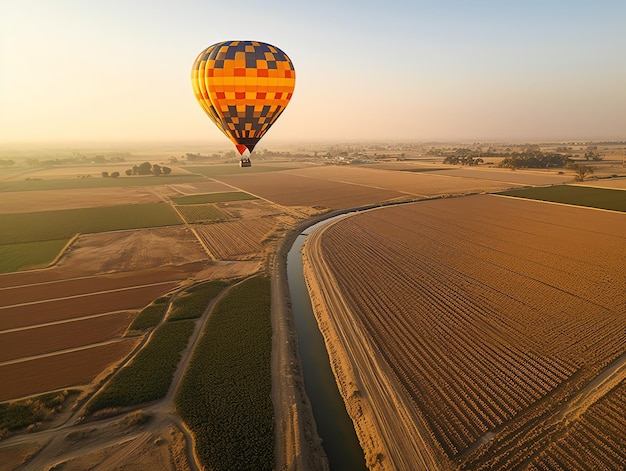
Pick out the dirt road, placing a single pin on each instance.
(390, 430)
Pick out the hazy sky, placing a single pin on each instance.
(379, 70)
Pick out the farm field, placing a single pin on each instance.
(434, 182)
(47, 322)
(496, 322)
(62, 370)
(337, 187)
(31, 201)
(77, 311)
(602, 198)
(615, 183)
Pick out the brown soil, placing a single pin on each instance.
(60, 371)
(52, 338)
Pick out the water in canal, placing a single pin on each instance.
(333, 423)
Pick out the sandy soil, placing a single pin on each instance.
(134, 250)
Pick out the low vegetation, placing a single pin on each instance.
(63, 224)
(214, 198)
(150, 315)
(149, 375)
(225, 397)
(18, 415)
(602, 198)
(193, 301)
(195, 213)
(14, 257)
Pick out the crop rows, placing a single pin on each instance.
(191, 303)
(225, 396)
(195, 213)
(475, 334)
(235, 238)
(595, 441)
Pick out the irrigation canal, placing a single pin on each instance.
(333, 423)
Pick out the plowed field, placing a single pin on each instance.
(485, 314)
(58, 331)
(60, 371)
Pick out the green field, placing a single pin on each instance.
(194, 213)
(225, 396)
(193, 301)
(214, 198)
(602, 198)
(35, 239)
(232, 169)
(96, 182)
(150, 316)
(64, 224)
(149, 375)
(14, 257)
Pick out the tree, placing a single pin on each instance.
(129, 172)
(145, 168)
(105, 174)
(156, 170)
(115, 174)
(581, 171)
(166, 170)
(591, 153)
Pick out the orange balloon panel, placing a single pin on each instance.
(243, 86)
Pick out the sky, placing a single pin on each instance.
(385, 70)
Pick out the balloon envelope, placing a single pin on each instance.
(243, 86)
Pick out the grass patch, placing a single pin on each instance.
(191, 303)
(602, 198)
(214, 198)
(97, 182)
(232, 169)
(18, 415)
(149, 375)
(14, 257)
(202, 213)
(225, 396)
(150, 315)
(64, 224)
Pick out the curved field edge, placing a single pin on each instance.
(225, 395)
(456, 238)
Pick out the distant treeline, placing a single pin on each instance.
(530, 156)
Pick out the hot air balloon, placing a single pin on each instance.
(243, 86)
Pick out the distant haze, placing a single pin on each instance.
(119, 70)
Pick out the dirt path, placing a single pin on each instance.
(298, 447)
(392, 434)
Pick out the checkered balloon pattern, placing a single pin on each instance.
(243, 86)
